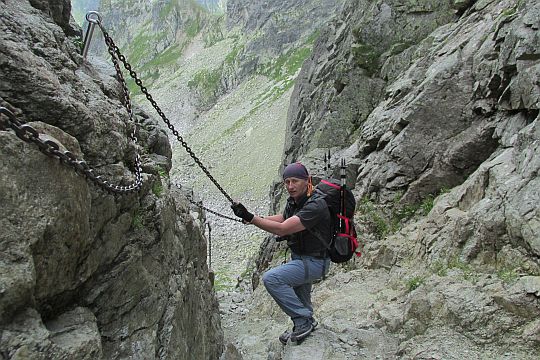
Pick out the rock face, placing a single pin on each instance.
(338, 88)
(276, 28)
(153, 35)
(435, 107)
(85, 274)
(456, 102)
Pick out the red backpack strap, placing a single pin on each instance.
(330, 184)
(350, 233)
(346, 221)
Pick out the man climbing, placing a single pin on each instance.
(305, 220)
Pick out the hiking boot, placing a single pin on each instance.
(285, 336)
(300, 333)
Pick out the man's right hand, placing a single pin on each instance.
(241, 211)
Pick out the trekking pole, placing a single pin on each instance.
(329, 164)
(92, 22)
(343, 178)
(325, 167)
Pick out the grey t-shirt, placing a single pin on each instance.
(315, 216)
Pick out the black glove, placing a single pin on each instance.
(241, 211)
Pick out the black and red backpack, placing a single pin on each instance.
(342, 205)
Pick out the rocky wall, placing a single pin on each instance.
(449, 97)
(438, 116)
(86, 274)
(275, 29)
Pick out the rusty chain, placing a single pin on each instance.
(200, 205)
(117, 54)
(52, 149)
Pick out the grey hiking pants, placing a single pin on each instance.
(290, 285)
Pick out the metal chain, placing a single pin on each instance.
(127, 98)
(52, 149)
(199, 204)
(117, 54)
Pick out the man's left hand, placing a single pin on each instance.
(241, 211)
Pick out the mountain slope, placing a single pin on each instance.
(225, 86)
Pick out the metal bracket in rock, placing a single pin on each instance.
(116, 55)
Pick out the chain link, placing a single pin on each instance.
(117, 54)
(52, 149)
(199, 205)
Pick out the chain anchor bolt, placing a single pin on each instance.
(93, 18)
